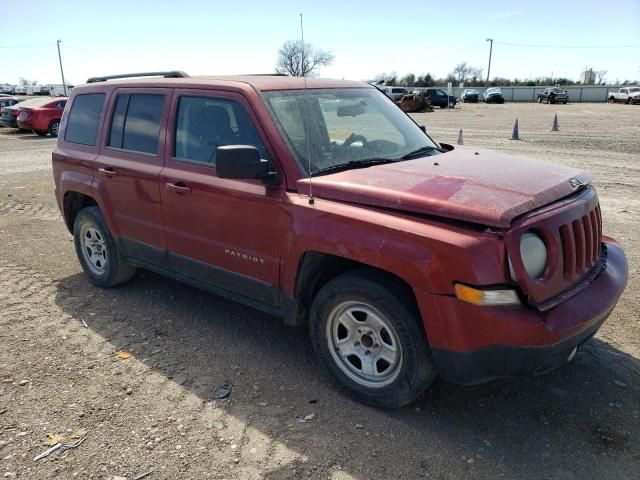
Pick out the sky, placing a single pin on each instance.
(201, 37)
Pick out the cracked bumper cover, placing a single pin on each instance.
(473, 344)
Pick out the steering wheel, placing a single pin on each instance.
(355, 138)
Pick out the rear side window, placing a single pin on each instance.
(135, 124)
(84, 117)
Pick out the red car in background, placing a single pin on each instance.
(9, 110)
(43, 117)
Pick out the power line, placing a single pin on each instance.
(527, 45)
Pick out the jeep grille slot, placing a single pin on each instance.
(581, 244)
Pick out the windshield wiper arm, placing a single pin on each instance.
(354, 164)
(419, 151)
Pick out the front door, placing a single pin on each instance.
(128, 168)
(219, 231)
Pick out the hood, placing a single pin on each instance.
(471, 185)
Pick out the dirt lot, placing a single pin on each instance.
(155, 410)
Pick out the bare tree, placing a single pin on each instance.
(301, 60)
(600, 76)
(463, 72)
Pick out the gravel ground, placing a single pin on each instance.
(155, 411)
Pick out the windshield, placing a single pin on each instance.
(633, 90)
(345, 126)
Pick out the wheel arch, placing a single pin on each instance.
(72, 203)
(316, 269)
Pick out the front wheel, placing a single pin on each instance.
(97, 251)
(369, 337)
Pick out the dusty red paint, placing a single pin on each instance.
(472, 185)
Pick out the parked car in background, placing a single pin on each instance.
(627, 95)
(9, 89)
(470, 95)
(42, 118)
(394, 93)
(439, 98)
(9, 115)
(493, 95)
(9, 101)
(553, 95)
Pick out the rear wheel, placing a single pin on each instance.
(97, 251)
(539, 99)
(53, 128)
(369, 337)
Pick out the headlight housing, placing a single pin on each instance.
(534, 255)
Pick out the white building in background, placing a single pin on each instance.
(588, 77)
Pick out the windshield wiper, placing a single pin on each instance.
(354, 164)
(418, 152)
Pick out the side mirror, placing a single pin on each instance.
(423, 128)
(243, 161)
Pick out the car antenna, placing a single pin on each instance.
(306, 120)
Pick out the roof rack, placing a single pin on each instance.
(172, 74)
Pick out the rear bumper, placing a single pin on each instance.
(473, 344)
(9, 122)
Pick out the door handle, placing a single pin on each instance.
(108, 172)
(178, 187)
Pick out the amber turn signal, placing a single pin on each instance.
(478, 296)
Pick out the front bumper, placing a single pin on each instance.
(473, 344)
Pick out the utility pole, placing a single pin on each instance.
(490, 51)
(64, 84)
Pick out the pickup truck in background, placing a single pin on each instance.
(627, 95)
(553, 95)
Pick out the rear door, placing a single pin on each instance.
(128, 168)
(225, 233)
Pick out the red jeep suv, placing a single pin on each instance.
(320, 201)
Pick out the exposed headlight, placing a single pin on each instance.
(534, 256)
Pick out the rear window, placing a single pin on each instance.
(84, 118)
(135, 124)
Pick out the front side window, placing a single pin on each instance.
(84, 118)
(332, 128)
(135, 124)
(205, 123)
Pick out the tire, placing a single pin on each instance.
(629, 101)
(53, 128)
(612, 100)
(564, 102)
(443, 106)
(365, 312)
(539, 99)
(97, 252)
